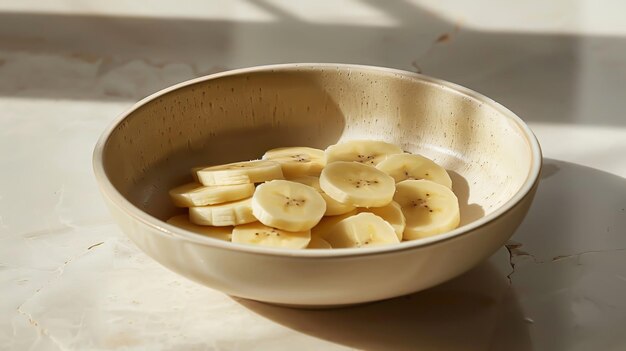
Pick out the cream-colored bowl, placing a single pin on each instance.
(493, 158)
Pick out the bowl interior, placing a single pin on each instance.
(238, 115)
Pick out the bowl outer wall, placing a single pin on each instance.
(328, 281)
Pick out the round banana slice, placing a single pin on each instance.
(256, 171)
(369, 152)
(409, 166)
(262, 235)
(362, 230)
(318, 243)
(182, 221)
(333, 207)
(195, 194)
(298, 161)
(288, 205)
(429, 208)
(326, 223)
(357, 184)
(230, 213)
(391, 213)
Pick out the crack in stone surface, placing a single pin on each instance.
(61, 269)
(95, 245)
(563, 257)
(514, 249)
(442, 38)
(40, 329)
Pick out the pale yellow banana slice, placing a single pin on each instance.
(409, 166)
(195, 194)
(288, 205)
(298, 161)
(362, 230)
(333, 207)
(259, 234)
(391, 213)
(326, 223)
(318, 243)
(256, 171)
(429, 208)
(357, 184)
(182, 221)
(369, 152)
(230, 213)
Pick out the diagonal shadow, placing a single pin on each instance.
(543, 77)
(472, 312)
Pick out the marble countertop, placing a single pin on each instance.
(70, 280)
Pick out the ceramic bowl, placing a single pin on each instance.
(492, 156)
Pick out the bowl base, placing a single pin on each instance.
(310, 307)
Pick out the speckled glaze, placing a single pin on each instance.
(493, 158)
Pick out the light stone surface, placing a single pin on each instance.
(70, 280)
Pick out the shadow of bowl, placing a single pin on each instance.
(476, 311)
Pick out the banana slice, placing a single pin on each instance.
(298, 161)
(322, 228)
(362, 230)
(369, 152)
(288, 205)
(262, 235)
(256, 171)
(333, 207)
(357, 184)
(409, 166)
(391, 213)
(195, 194)
(318, 243)
(182, 221)
(429, 208)
(230, 213)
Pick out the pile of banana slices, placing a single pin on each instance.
(359, 193)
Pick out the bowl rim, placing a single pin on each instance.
(163, 228)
